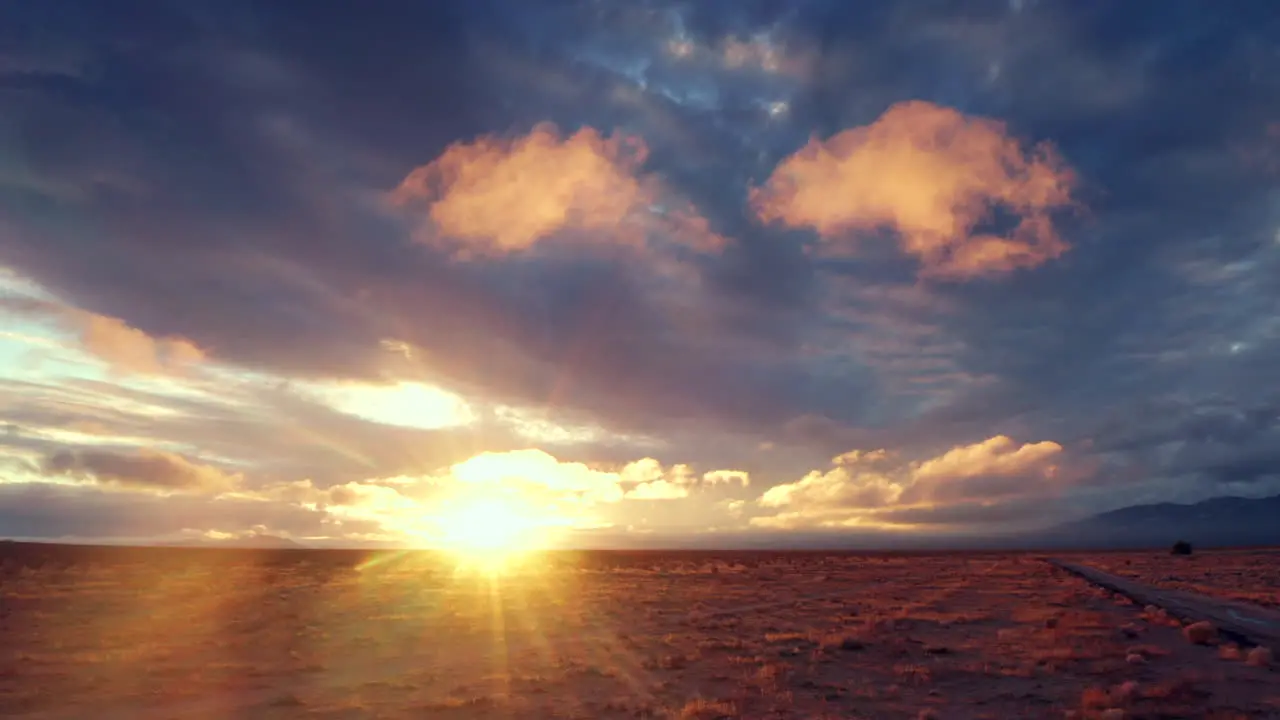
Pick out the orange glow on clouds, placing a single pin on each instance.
(495, 196)
(998, 455)
(128, 349)
(933, 175)
(863, 485)
(539, 468)
(494, 499)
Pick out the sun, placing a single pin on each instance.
(490, 532)
(484, 525)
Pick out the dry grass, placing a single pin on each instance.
(600, 636)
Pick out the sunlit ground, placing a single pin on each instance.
(165, 633)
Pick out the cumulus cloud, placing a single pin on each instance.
(140, 469)
(658, 490)
(642, 471)
(543, 470)
(843, 487)
(934, 176)
(494, 196)
(877, 487)
(550, 489)
(652, 481)
(542, 474)
(727, 477)
(995, 467)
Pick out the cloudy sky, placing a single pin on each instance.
(632, 269)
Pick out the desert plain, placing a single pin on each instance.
(137, 634)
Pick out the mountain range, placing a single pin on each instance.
(261, 542)
(1222, 521)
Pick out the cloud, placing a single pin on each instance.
(277, 429)
(128, 349)
(652, 481)
(495, 196)
(48, 510)
(934, 176)
(540, 469)
(995, 467)
(878, 487)
(269, 245)
(727, 477)
(551, 491)
(140, 469)
(758, 53)
(1210, 445)
(658, 490)
(838, 489)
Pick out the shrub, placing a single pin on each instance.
(1182, 547)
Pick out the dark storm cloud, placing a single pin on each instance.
(216, 172)
(1219, 439)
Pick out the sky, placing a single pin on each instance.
(611, 272)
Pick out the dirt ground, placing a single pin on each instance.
(1248, 575)
(675, 635)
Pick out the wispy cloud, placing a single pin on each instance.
(141, 468)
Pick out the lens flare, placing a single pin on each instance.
(491, 534)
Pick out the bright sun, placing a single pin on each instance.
(488, 527)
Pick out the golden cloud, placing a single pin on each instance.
(933, 175)
(496, 196)
(840, 487)
(540, 469)
(995, 468)
(658, 490)
(998, 455)
(129, 349)
(534, 482)
(727, 477)
(862, 486)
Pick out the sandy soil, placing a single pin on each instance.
(606, 636)
(1248, 575)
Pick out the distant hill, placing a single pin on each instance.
(1224, 521)
(263, 542)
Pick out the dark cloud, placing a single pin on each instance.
(1219, 440)
(141, 469)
